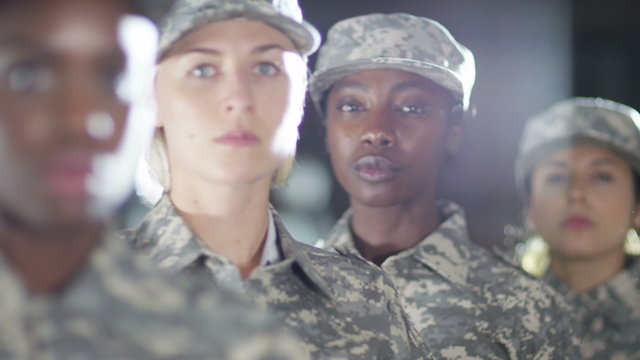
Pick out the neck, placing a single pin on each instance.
(231, 220)
(582, 275)
(46, 259)
(381, 232)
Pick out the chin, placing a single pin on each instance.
(377, 200)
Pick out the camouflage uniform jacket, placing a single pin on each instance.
(608, 316)
(341, 306)
(468, 303)
(119, 308)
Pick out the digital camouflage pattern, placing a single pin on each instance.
(340, 305)
(118, 307)
(468, 303)
(576, 121)
(284, 15)
(608, 316)
(397, 41)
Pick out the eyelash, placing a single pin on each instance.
(274, 67)
(419, 110)
(200, 68)
(349, 107)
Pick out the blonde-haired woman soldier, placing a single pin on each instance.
(578, 170)
(230, 90)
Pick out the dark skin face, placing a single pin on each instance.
(60, 61)
(388, 134)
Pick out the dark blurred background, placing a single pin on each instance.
(529, 54)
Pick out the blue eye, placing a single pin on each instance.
(203, 71)
(266, 69)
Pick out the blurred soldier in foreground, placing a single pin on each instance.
(578, 171)
(69, 69)
(393, 89)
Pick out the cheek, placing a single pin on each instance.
(28, 127)
(341, 143)
(545, 211)
(617, 210)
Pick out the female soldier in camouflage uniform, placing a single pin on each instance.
(393, 88)
(578, 170)
(230, 90)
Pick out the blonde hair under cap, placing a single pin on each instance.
(189, 15)
(396, 41)
(576, 121)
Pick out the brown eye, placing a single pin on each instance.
(411, 109)
(27, 77)
(349, 106)
(556, 179)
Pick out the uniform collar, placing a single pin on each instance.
(447, 250)
(618, 299)
(173, 245)
(270, 253)
(295, 250)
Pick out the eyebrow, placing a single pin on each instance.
(16, 42)
(264, 48)
(350, 84)
(554, 163)
(211, 51)
(603, 161)
(411, 84)
(595, 162)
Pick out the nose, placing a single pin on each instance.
(77, 101)
(378, 130)
(237, 96)
(576, 191)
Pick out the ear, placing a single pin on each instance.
(159, 121)
(454, 138)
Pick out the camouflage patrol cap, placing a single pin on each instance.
(578, 121)
(284, 15)
(397, 41)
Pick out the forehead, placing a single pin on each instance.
(233, 35)
(62, 25)
(582, 155)
(389, 80)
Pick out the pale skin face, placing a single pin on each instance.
(230, 98)
(583, 203)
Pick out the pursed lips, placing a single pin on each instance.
(238, 138)
(376, 168)
(577, 222)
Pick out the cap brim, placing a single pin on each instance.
(323, 80)
(303, 35)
